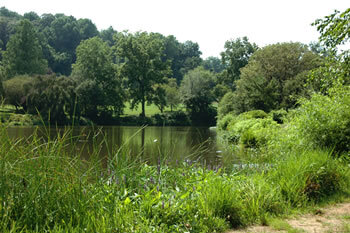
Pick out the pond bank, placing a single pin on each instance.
(333, 218)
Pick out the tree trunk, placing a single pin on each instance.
(143, 114)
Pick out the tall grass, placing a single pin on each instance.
(46, 185)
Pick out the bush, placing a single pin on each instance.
(324, 121)
(226, 105)
(253, 133)
(16, 90)
(178, 118)
(279, 115)
(251, 129)
(224, 121)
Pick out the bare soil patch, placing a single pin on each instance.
(331, 219)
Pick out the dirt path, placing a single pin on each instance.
(329, 220)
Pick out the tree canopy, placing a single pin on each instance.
(24, 54)
(335, 32)
(275, 77)
(142, 65)
(99, 89)
(196, 93)
(236, 55)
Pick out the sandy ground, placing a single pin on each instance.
(331, 219)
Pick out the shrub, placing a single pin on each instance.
(16, 90)
(226, 104)
(177, 118)
(279, 115)
(251, 129)
(324, 121)
(224, 121)
(254, 133)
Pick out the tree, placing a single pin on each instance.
(31, 16)
(100, 89)
(159, 98)
(52, 97)
(334, 28)
(335, 71)
(183, 56)
(143, 65)
(213, 64)
(24, 53)
(196, 94)
(108, 34)
(4, 12)
(236, 55)
(61, 35)
(190, 56)
(87, 29)
(172, 94)
(7, 28)
(274, 77)
(16, 90)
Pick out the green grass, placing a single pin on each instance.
(282, 225)
(47, 187)
(149, 109)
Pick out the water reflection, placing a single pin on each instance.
(151, 143)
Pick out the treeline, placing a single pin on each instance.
(74, 66)
(261, 113)
(62, 67)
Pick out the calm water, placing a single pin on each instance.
(172, 144)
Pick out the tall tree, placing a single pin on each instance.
(183, 56)
(213, 64)
(143, 65)
(236, 56)
(24, 54)
(275, 77)
(100, 89)
(61, 35)
(172, 93)
(107, 35)
(196, 93)
(7, 28)
(190, 56)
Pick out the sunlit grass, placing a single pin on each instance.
(149, 109)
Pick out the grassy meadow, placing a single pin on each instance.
(151, 109)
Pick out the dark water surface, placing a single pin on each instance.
(170, 144)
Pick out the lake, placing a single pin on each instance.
(169, 144)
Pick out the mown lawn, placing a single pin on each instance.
(150, 109)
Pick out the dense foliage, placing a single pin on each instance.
(23, 53)
(99, 91)
(288, 160)
(236, 56)
(142, 65)
(197, 95)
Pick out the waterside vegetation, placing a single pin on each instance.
(292, 140)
